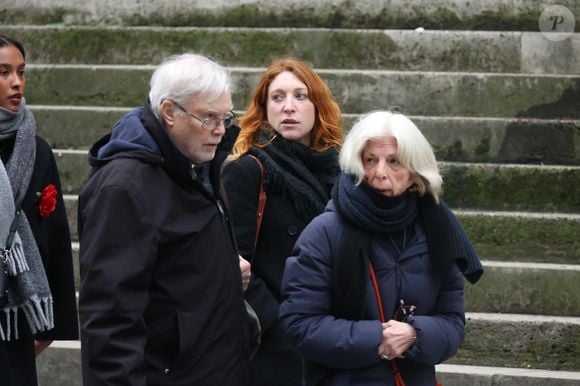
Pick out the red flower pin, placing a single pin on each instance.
(47, 202)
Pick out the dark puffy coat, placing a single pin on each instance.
(17, 361)
(347, 350)
(161, 296)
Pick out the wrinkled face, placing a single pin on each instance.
(12, 80)
(290, 112)
(194, 141)
(382, 168)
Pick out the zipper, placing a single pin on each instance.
(221, 210)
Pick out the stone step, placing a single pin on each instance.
(518, 236)
(526, 288)
(513, 140)
(513, 348)
(357, 91)
(524, 341)
(460, 375)
(406, 50)
(60, 365)
(498, 236)
(478, 186)
(439, 14)
(523, 288)
(511, 187)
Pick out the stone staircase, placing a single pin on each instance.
(498, 100)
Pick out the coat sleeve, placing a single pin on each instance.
(440, 334)
(306, 314)
(118, 250)
(54, 243)
(242, 179)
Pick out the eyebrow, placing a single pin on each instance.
(10, 65)
(296, 89)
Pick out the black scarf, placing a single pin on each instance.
(372, 211)
(303, 176)
(366, 213)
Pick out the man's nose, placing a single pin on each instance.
(220, 128)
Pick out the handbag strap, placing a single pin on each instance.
(261, 201)
(396, 374)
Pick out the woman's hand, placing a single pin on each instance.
(246, 269)
(397, 338)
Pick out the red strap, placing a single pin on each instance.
(396, 374)
(377, 294)
(261, 202)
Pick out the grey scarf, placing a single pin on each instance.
(27, 285)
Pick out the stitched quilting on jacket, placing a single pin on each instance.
(345, 352)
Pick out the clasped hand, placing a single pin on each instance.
(397, 338)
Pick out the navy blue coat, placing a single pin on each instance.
(348, 349)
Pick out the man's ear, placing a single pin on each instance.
(167, 113)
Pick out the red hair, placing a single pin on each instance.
(327, 131)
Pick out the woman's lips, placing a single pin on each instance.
(16, 98)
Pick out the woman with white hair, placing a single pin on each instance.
(374, 292)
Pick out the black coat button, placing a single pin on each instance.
(292, 230)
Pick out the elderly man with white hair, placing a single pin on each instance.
(161, 288)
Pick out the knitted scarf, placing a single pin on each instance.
(301, 175)
(448, 242)
(26, 284)
(358, 207)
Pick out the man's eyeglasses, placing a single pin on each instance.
(210, 123)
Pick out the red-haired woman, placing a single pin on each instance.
(293, 127)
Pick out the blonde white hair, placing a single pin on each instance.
(413, 150)
(182, 77)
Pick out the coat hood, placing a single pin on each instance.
(128, 135)
(140, 135)
(128, 139)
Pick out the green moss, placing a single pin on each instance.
(525, 291)
(551, 346)
(341, 16)
(452, 153)
(524, 238)
(484, 147)
(512, 188)
(33, 16)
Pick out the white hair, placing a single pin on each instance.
(413, 150)
(183, 77)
